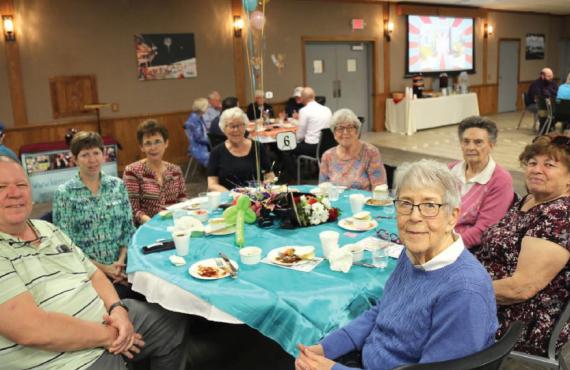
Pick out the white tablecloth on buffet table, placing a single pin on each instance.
(409, 115)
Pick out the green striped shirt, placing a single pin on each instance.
(58, 276)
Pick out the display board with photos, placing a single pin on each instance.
(49, 169)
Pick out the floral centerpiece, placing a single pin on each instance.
(312, 210)
(295, 209)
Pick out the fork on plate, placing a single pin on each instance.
(221, 265)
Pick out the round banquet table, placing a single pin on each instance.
(285, 305)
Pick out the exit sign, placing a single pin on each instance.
(357, 24)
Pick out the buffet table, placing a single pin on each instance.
(409, 116)
(285, 305)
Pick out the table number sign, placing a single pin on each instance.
(286, 141)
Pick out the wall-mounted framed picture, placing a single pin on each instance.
(165, 56)
(534, 46)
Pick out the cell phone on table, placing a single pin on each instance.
(158, 247)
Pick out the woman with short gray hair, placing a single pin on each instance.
(352, 163)
(486, 188)
(197, 132)
(438, 303)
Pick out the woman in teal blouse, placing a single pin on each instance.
(94, 210)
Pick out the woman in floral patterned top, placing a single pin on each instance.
(151, 182)
(527, 252)
(352, 163)
(94, 210)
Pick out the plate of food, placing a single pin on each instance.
(190, 204)
(211, 269)
(379, 202)
(361, 221)
(291, 255)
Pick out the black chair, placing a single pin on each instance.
(215, 139)
(527, 108)
(561, 111)
(322, 100)
(326, 141)
(487, 359)
(389, 175)
(553, 361)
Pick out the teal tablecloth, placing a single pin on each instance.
(288, 306)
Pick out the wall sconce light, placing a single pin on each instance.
(487, 30)
(238, 25)
(388, 29)
(8, 24)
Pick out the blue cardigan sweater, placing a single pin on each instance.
(423, 316)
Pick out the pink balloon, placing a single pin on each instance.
(257, 20)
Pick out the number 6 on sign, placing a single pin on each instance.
(286, 141)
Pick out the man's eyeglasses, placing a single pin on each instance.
(348, 129)
(404, 207)
(388, 236)
(148, 144)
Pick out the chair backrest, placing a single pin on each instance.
(487, 359)
(322, 100)
(215, 139)
(326, 142)
(562, 320)
(523, 97)
(562, 109)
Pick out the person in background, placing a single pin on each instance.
(197, 133)
(214, 108)
(259, 107)
(544, 86)
(236, 162)
(438, 303)
(152, 183)
(352, 163)
(94, 210)
(486, 187)
(312, 119)
(227, 103)
(57, 310)
(528, 250)
(4, 150)
(295, 103)
(564, 90)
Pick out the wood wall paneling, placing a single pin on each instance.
(522, 88)
(70, 95)
(414, 9)
(486, 97)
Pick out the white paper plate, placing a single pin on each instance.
(190, 204)
(317, 191)
(300, 250)
(346, 223)
(210, 262)
(221, 230)
(373, 203)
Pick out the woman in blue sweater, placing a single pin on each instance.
(439, 302)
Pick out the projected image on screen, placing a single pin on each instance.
(437, 44)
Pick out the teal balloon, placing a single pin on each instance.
(249, 5)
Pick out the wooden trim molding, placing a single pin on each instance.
(238, 45)
(14, 71)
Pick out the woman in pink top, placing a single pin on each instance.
(352, 163)
(486, 188)
(153, 183)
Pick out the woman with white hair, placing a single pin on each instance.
(352, 163)
(256, 109)
(197, 133)
(437, 305)
(237, 160)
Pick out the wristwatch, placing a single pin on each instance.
(119, 303)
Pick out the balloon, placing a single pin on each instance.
(257, 20)
(239, 214)
(249, 5)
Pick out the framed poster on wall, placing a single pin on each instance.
(165, 56)
(534, 46)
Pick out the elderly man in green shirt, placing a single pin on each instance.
(57, 310)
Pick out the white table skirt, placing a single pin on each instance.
(174, 298)
(408, 115)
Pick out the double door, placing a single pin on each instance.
(341, 72)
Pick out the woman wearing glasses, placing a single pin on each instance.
(153, 183)
(352, 163)
(527, 252)
(238, 160)
(486, 188)
(437, 305)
